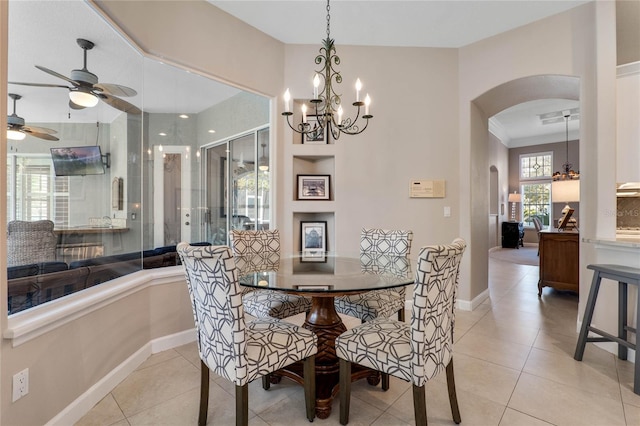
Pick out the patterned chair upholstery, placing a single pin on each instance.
(257, 251)
(375, 243)
(30, 242)
(232, 348)
(415, 352)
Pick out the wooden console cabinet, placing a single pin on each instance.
(559, 260)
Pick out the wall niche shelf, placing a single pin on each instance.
(314, 165)
(328, 217)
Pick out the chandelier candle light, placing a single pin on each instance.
(325, 102)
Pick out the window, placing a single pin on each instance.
(535, 183)
(37, 192)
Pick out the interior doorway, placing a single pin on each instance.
(171, 195)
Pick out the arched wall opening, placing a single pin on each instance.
(481, 108)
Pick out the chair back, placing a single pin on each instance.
(432, 315)
(384, 264)
(216, 300)
(385, 241)
(256, 251)
(537, 223)
(30, 242)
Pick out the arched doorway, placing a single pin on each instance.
(481, 108)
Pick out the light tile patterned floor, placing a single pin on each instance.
(513, 365)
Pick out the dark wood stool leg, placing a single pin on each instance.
(419, 405)
(309, 371)
(622, 318)
(204, 394)
(588, 315)
(453, 398)
(242, 405)
(401, 315)
(345, 390)
(266, 382)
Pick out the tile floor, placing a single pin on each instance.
(513, 366)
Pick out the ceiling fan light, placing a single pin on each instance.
(82, 98)
(15, 135)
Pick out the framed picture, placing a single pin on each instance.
(313, 241)
(318, 136)
(314, 187)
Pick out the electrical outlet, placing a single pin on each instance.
(20, 384)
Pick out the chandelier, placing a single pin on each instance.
(567, 172)
(565, 187)
(326, 105)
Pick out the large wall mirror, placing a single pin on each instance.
(95, 192)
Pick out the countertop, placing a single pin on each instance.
(86, 229)
(631, 241)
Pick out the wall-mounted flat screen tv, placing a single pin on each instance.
(77, 161)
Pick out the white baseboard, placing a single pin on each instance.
(85, 402)
(463, 305)
(470, 305)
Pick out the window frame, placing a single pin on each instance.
(542, 179)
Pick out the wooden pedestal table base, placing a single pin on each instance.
(323, 320)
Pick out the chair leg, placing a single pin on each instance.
(309, 371)
(588, 316)
(401, 315)
(453, 399)
(204, 394)
(345, 390)
(266, 382)
(242, 405)
(385, 381)
(419, 405)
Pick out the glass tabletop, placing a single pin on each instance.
(330, 273)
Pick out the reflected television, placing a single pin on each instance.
(77, 161)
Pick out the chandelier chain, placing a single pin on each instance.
(328, 20)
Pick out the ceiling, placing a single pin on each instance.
(166, 89)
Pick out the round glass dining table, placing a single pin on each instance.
(323, 277)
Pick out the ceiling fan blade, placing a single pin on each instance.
(120, 104)
(39, 84)
(29, 128)
(55, 74)
(46, 136)
(115, 89)
(73, 105)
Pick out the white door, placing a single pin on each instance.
(172, 213)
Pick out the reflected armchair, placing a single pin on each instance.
(30, 242)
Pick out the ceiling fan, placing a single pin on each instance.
(85, 91)
(18, 130)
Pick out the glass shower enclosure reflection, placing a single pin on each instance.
(237, 182)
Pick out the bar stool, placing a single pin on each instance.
(624, 275)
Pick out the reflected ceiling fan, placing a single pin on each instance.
(85, 91)
(17, 130)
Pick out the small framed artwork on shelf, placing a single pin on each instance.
(314, 187)
(313, 241)
(317, 136)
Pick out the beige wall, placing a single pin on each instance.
(628, 31)
(409, 137)
(426, 125)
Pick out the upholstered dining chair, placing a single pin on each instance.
(414, 352)
(257, 251)
(538, 225)
(231, 347)
(30, 242)
(378, 303)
